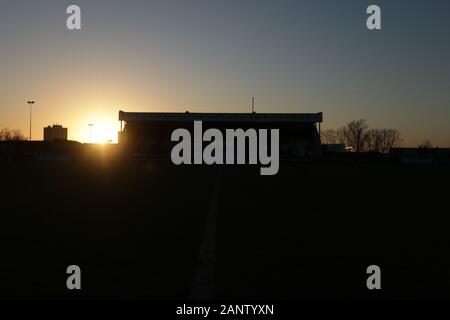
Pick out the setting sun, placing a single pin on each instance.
(101, 132)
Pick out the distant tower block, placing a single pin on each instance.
(55, 132)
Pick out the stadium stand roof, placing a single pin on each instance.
(219, 117)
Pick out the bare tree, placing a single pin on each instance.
(382, 140)
(390, 139)
(355, 134)
(426, 144)
(374, 140)
(5, 134)
(341, 136)
(11, 135)
(329, 136)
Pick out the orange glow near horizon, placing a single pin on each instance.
(210, 57)
(98, 127)
(101, 132)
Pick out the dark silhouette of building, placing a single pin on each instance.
(420, 155)
(55, 132)
(149, 134)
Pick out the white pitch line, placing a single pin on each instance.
(203, 286)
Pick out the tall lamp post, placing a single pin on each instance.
(30, 103)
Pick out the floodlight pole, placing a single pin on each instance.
(30, 103)
(253, 104)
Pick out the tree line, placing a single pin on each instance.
(11, 135)
(357, 136)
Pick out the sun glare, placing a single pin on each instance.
(101, 132)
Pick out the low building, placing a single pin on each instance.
(334, 147)
(55, 132)
(420, 155)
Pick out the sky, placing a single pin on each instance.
(214, 55)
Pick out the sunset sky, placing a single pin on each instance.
(214, 55)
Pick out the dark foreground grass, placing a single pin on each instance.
(312, 230)
(135, 229)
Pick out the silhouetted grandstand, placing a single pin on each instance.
(148, 134)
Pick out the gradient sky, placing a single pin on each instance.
(213, 55)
